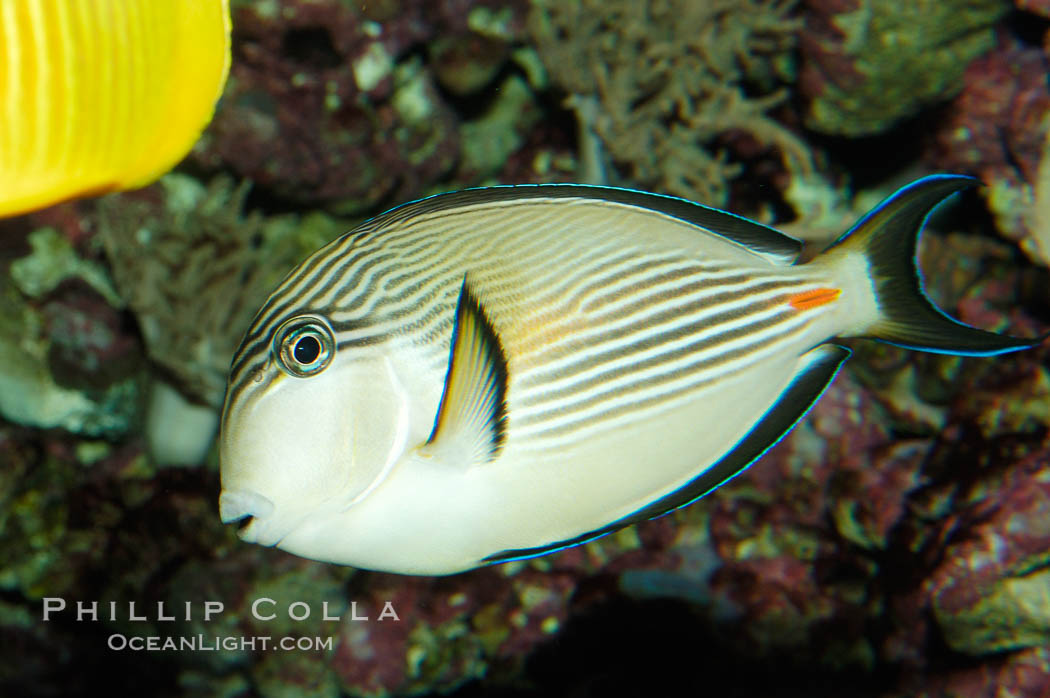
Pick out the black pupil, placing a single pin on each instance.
(306, 350)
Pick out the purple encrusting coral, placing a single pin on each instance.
(895, 544)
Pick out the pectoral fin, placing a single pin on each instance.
(471, 420)
(815, 372)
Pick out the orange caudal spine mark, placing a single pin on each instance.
(813, 298)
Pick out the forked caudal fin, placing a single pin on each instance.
(887, 237)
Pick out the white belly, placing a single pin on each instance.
(431, 518)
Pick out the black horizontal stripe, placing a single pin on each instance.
(594, 305)
(616, 376)
(650, 322)
(654, 400)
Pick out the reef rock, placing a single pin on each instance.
(868, 64)
(992, 593)
(998, 130)
(66, 358)
(332, 104)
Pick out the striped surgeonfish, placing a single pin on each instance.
(498, 373)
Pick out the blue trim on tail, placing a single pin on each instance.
(917, 184)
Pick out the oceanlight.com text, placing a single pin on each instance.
(215, 643)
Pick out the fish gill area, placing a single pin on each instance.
(896, 543)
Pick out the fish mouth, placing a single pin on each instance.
(248, 509)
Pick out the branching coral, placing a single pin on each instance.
(195, 270)
(659, 80)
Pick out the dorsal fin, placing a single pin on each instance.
(471, 420)
(760, 239)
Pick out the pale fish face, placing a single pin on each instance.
(302, 444)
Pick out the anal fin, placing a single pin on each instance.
(471, 420)
(815, 372)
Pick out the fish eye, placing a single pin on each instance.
(304, 346)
